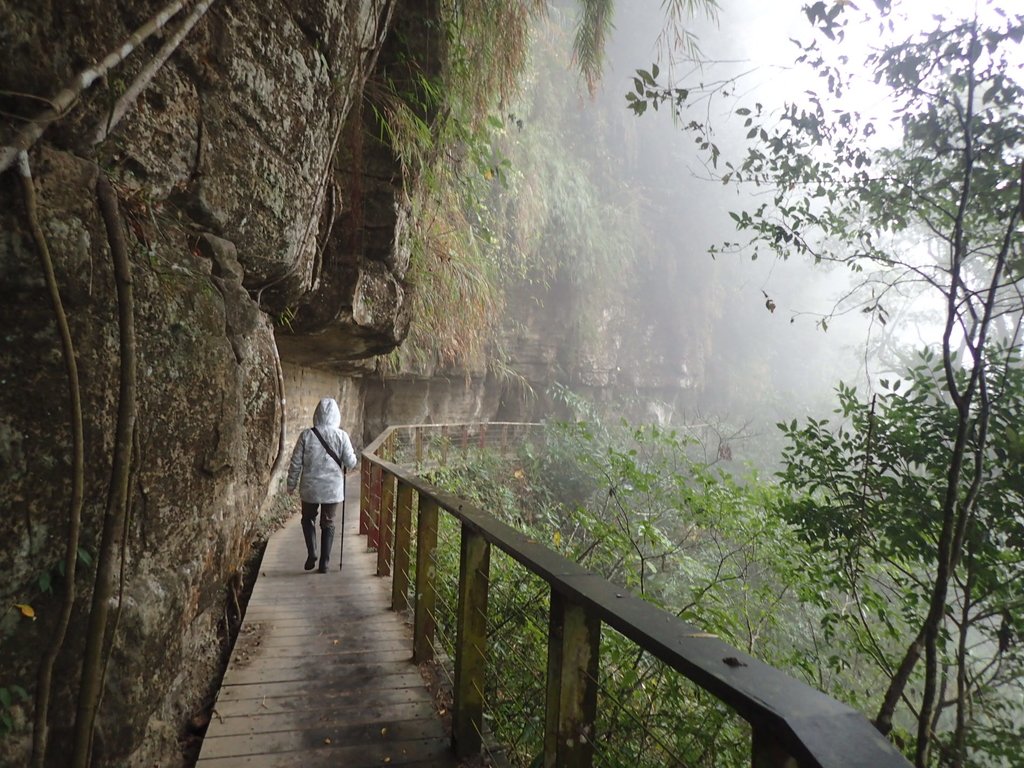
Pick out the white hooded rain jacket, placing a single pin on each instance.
(312, 469)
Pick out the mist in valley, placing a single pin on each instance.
(749, 339)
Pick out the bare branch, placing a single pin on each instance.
(143, 79)
(64, 100)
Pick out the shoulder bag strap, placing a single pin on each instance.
(329, 450)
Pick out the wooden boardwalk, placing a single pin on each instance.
(322, 672)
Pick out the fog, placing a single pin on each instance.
(758, 340)
(749, 331)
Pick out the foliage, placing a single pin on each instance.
(436, 123)
(639, 506)
(10, 697)
(865, 501)
(937, 205)
(502, 202)
(596, 24)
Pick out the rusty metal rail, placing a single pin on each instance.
(792, 724)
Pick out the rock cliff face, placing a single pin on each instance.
(635, 355)
(228, 172)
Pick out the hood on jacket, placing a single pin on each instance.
(327, 413)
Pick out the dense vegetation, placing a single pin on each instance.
(880, 563)
(822, 571)
(915, 495)
(513, 195)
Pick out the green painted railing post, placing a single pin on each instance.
(385, 526)
(574, 640)
(767, 752)
(471, 644)
(403, 541)
(424, 621)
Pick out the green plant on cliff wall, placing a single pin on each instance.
(469, 244)
(500, 199)
(441, 128)
(10, 695)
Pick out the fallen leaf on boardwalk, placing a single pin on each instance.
(384, 731)
(26, 610)
(387, 759)
(327, 740)
(335, 642)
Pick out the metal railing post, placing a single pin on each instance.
(471, 644)
(403, 537)
(574, 639)
(424, 622)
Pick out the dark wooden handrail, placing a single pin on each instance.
(792, 723)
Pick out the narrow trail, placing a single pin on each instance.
(322, 673)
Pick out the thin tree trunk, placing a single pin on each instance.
(883, 720)
(44, 679)
(63, 101)
(142, 81)
(962, 693)
(117, 498)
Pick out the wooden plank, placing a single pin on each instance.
(364, 482)
(386, 518)
(228, 709)
(373, 507)
(314, 733)
(322, 643)
(352, 711)
(426, 593)
(431, 752)
(342, 671)
(319, 687)
(471, 644)
(403, 547)
(574, 637)
(321, 674)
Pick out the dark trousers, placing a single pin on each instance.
(310, 510)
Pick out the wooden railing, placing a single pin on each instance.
(792, 724)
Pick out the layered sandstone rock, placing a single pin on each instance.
(226, 173)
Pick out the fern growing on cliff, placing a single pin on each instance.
(498, 198)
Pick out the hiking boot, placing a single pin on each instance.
(326, 542)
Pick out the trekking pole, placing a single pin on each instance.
(344, 491)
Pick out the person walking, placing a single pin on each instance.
(320, 478)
